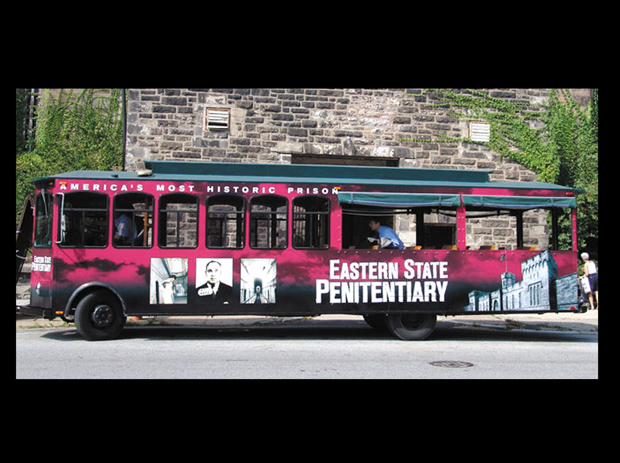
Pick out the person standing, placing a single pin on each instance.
(125, 233)
(591, 273)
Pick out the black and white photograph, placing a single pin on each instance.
(214, 280)
(168, 281)
(258, 281)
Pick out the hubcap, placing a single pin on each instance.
(102, 316)
(413, 322)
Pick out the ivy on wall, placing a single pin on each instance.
(74, 131)
(557, 140)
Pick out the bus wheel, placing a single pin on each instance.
(411, 327)
(99, 316)
(377, 321)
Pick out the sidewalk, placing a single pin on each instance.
(577, 322)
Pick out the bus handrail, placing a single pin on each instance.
(62, 218)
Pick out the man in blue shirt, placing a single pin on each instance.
(125, 233)
(388, 239)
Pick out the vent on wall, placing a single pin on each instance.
(217, 119)
(479, 131)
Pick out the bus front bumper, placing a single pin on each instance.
(38, 312)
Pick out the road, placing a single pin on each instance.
(307, 349)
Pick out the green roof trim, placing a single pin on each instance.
(342, 173)
(398, 199)
(517, 202)
(310, 174)
(405, 200)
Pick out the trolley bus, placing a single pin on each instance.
(188, 238)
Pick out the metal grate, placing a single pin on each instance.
(480, 131)
(217, 119)
(452, 364)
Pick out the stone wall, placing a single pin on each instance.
(283, 125)
(270, 125)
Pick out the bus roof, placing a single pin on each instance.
(320, 174)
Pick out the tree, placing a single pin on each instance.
(82, 131)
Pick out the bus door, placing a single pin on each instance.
(41, 277)
(23, 240)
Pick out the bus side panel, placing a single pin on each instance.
(72, 271)
(447, 282)
(366, 281)
(42, 278)
(315, 282)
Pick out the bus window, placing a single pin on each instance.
(225, 222)
(133, 220)
(43, 225)
(310, 222)
(268, 222)
(84, 220)
(178, 221)
(440, 234)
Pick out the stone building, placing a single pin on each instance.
(377, 127)
(539, 290)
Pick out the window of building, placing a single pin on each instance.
(535, 291)
(225, 222)
(83, 220)
(344, 160)
(268, 222)
(437, 235)
(44, 208)
(178, 221)
(310, 222)
(133, 220)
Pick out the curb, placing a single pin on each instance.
(518, 322)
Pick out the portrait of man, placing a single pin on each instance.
(214, 280)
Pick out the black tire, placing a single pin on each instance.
(410, 327)
(377, 321)
(99, 316)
